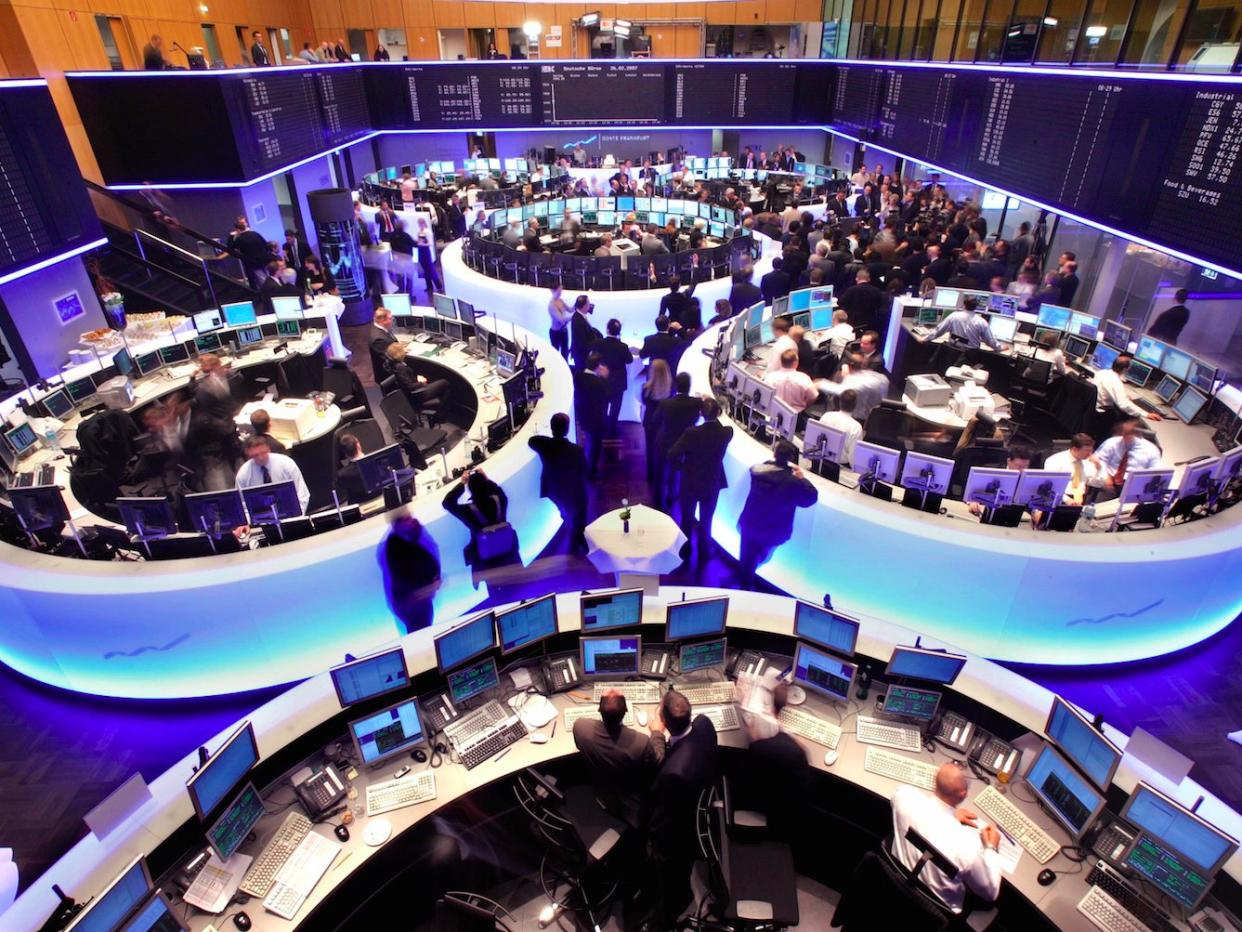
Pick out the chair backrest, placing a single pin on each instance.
(388, 385)
(368, 432)
(396, 407)
(338, 380)
(886, 425)
(1034, 371)
(879, 896)
(292, 380)
(985, 454)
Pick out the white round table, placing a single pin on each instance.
(652, 547)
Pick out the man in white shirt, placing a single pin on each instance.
(791, 386)
(1118, 456)
(1111, 396)
(845, 422)
(782, 343)
(841, 334)
(867, 378)
(968, 326)
(952, 829)
(263, 467)
(1082, 465)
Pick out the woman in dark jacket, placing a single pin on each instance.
(487, 508)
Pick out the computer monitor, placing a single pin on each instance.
(398, 304)
(1068, 796)
(1003, 304)
(1150, 351)
(1164, 868)
(1053, 316)
(782, 418)
(610, 656)
(991, 487)
(1084, 325)
(1104, 356)
(697, 618)
(278, 499)
(207, 321)
(821, 317)
(1003, 328)
(172, 355)
(223, 771)
(288, 307)
(473, 680)
(821, 442)
(918, 663)
(228, 832)
(465, 311)
(290, 329)
(1116, 335)
(1189, 404)
(823, 673)
(620, 608)
(873, 459)
(147, 517)
(247, 336)
(239, 314)
(1167, 388)
(754, 315)
(825, 627)
(1077, 347)
(780, 306)
(1196, 477)
(444, 306)
(381, 468)
(146, 363)
(1176, 363)
(1041, 489)
(927, 316)
(40, 507)
(216, 513)
(1230, 467)
(155, 914)
(58, 404)
(116, 902)
(947, 298)
(466, 641)
(363, 679)
(388, 733)
(208, 344)
(1078, 740)
(701, 655)
(912, 703)
(123, 362)
(1193, 836)
(527, 624)
(1043, 335)
(1202, 376)
(924, 473)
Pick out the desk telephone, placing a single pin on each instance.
(994, 755)
(321, 791)
(954, 732)
(561, 673)
(657, 661)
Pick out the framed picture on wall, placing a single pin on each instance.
(69, 308)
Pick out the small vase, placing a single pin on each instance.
(625, 525)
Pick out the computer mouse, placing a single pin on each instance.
(419, 755)
(641, 717)
(342, 832)
(830, 757)
(1046, 877)
(242, 921)
(538, 737)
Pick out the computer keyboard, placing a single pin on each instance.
(724, 717)
(263, 871)
(1015, 823)
(899, 767)
(309, 861)
(492, 743)
(575, 712)
(1124, 897)
(642, 693)
(886, 734)
(397, 794)
(1107, 914)
(708, 693)
(810, 727)
(481, 720)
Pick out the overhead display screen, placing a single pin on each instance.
(603, 93)
(490, 95)
(44, 207)
(712, 94)
(856, 96)
(343, 99)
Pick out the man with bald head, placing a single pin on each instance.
(622, 760)
(953, 830)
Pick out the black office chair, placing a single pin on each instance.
(580, 270)
(537, 268)
(459, 911)
(581, 839)
(878, 897)
(984, 453)
(408, 427)
(516, 265)
(1031, 387)
(345, 387)
(888, 424)
(292, 379)
(608, 272)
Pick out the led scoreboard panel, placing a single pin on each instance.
(44, 207)
(602, 93)
(711, 94)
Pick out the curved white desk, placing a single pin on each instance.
(527, 305)
(92, 863)
(1007, 593)
(195, 627)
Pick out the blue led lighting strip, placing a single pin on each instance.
(45, 263)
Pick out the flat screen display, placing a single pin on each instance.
(602, 93)
(223, 771)
(371, 676)
(1150, 351)
(111, 907)
(611, 656)
(1065, 793)
(229, 831)
(620, 609)
(1196, 839)
(471, 681)
(930, 665)
(700, 655)
(1093, 754)
(387, 733)
(1169, 873)
(823, 673)
(527, 624)
(825, 627)
(696, 618)
(908, 702)
(466, 641)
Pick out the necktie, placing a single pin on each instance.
(1119, 477)
(267, 476)
(1076, 480)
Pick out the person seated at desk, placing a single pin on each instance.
(621, 760)
(511, 235)
(724, 311)
(1081, 463)
(941, 818)
(840, 334)
(530, 236)
(348, 480)
(263, 467)
(1018, 457)
(967, 326)
(261, 425)
(607, 248)
(1125, 451)
(843, 419)
(1111, 398)
(425, 396)
(867, 377)
(698, 233)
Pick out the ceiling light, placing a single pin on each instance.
(1096, 32)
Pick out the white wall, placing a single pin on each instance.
(30, 303)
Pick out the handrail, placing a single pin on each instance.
(158, 216)
(185, 252)
(194, 257)
(155, 265)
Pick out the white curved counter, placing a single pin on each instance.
(235, 622)
(1007, 593)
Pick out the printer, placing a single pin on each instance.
(928, 391)
(972, 399)
(117, 393)
(293, 419)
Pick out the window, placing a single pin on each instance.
(946, 29)
(925, 36)
(997, 15)
(212, 42)
(969, 30)
(1212, 35)
(1153, 33)
(1059, 30)
(1102, 32)
(109, 43)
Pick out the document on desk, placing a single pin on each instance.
(1010, 852)
(216, 883)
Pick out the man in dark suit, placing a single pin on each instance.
(673, 305)
(295, 249)
(939, 267)
(617, 356)
(591, 408)
(673, 417)
(863, 301)
(777, 490)
(689, 767)
(621, 760)
(349, 485)
(775, 284)
(699, 457)
(456, 218)
(864, 204)
(381, 338)
(564, 478)
(258, 54)
(744, 292)
(662, 345)
(582, 335)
